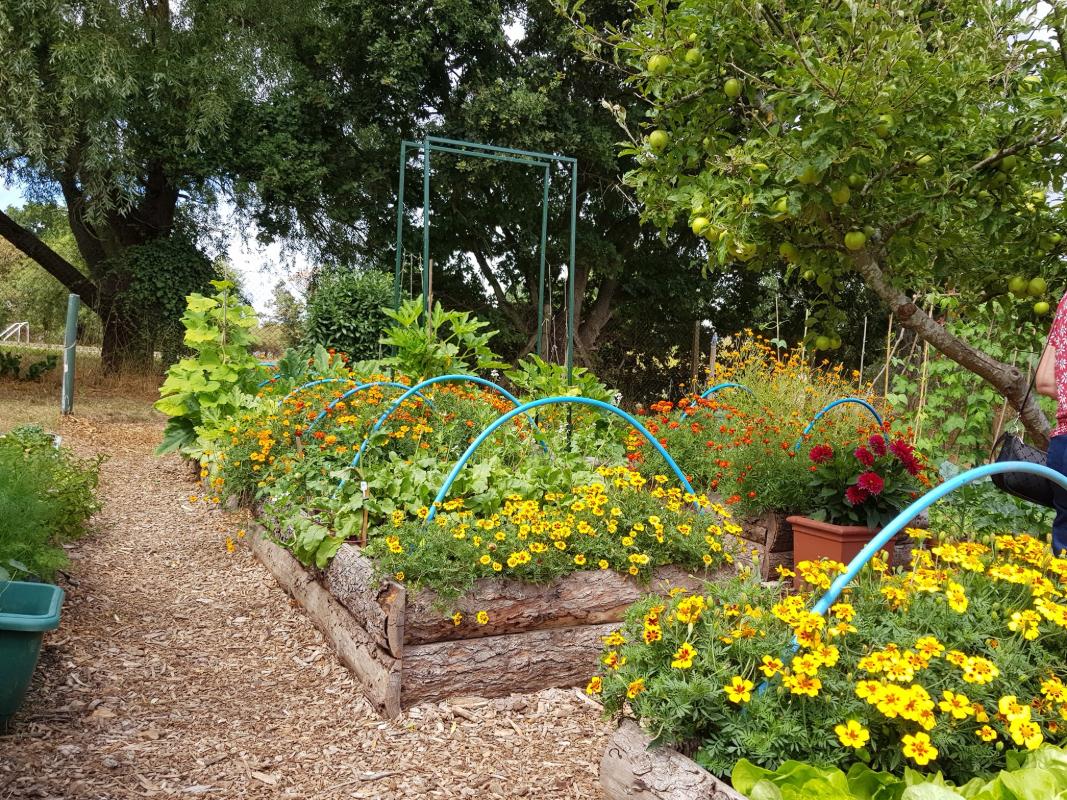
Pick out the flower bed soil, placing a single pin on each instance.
(404, 650)
(632, 770)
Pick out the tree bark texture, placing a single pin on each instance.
(496, 666)
(632, 770)
(378, 606)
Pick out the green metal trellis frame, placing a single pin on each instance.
(532, 158)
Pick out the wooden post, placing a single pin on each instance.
(863, 351)
(713, 357)
(694, 364)
(888, 354)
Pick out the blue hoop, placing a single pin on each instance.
(360, 388)
(549, 401)
(842, 401)
(457, 378)
(717, 387)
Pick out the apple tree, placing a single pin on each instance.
(917, 144)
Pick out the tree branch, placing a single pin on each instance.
(1005, 378)
(52, 262)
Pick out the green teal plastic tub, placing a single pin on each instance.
(27, 610)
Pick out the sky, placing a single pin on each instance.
(259, 267)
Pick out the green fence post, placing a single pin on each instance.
(541, 282)
(426, 225)
(70, 340)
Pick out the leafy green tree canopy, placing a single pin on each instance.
(913, 143)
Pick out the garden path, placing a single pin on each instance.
(183, 670)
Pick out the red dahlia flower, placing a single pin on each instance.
(871, 483)
(821, 453)
(864, 456)
(877, 443)
(854, 495)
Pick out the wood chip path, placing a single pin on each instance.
(183, 670)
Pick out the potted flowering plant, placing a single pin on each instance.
(855, 490)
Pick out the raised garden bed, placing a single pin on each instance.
(404, 650)
(631, 769)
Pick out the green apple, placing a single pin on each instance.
(840, 195)
(658, 140)
(822, 342)
(1041, 308)
(699, 225)
(855, 180)
(658, 64)
(809, 275)
(732, 88)
(1008, 163)
(1018, 285)
(1036, 287)
(809, 176)
(855, 240)
(788, 251)
(835, 342)
(884, 126)
(693, 56)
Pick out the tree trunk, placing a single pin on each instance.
(1005, 378)
(125, 343)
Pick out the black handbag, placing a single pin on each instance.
(1024, 485)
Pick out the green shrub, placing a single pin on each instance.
(344, 310)
(46, 497)
(438, 343)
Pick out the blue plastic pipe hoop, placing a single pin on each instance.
(842, 401)
(551, 401)
(309, 384)
(360, 388)
(882, 538)
(415, 390)
(719, 387)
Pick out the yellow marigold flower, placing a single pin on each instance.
(958, 705)
(613, 660)
(602, 564)
(739, 690)
(919, 748)
(843, 611)
(802, 684)
(497, 566)
(457, 618)
(929, 646)
(986, 734)
(423, 512)
(399, 575)
(979, 670)
(230, 546)
(1012, 709)
(579, 560)
(807, 664)
(482, 617)
(485, 560)
(635, 688)
(1026, 732)
(596, 683)
(633, 570)
(614, 639)
(683, 656)
(957, 600)
(652, 633)
(771, 666)
(852, 734)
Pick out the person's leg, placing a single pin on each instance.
(1057, 460)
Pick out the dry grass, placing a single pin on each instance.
(99, 397)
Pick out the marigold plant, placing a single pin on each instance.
(946, 666)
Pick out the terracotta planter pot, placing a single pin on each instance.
(813, 540)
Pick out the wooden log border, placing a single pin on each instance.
(403, 650)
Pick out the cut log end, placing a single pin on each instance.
(630, 770)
